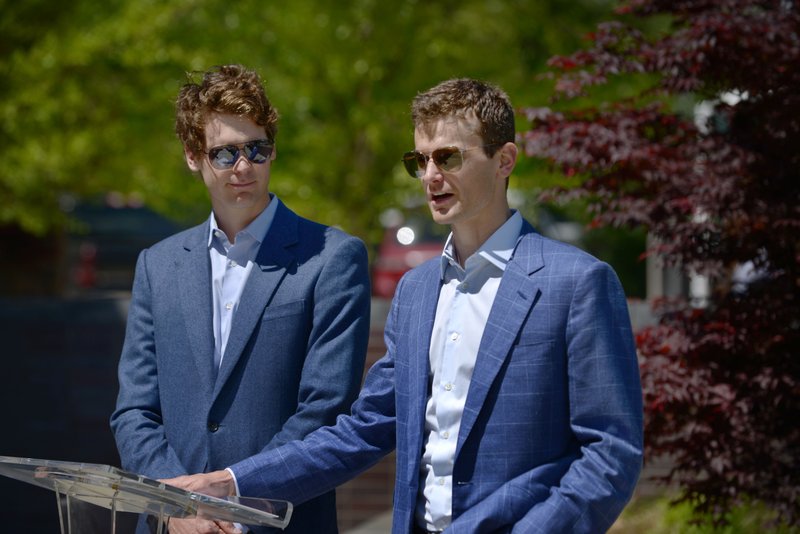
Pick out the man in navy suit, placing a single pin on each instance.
(248, 331)
(510, 385)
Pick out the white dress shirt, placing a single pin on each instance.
(465, 300)
(230, 267)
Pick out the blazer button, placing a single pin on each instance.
(213, 427)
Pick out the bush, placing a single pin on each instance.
(721, 378)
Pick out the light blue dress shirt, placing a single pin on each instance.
(231, 264)
(465, 300)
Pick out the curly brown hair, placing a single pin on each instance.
(230, 89)
(465, 98)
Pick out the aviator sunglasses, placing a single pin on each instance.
(448, 159)
(225, 156)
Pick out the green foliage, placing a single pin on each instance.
(659, 515)
(86, 102)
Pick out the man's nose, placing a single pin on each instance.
(241, 163)
(432, 172)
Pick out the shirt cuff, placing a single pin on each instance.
(235, 482)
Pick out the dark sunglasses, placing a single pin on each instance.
(448, 159)
(225, 156)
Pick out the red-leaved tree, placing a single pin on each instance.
(721, 381)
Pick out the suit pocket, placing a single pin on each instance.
(296, 307)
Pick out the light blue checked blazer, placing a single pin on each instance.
(551, 437)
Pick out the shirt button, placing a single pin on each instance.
(217, 233)
(229, 306)
(232, 263)
(454, 336)
(213, 427)
(448, 387)
(445, 434)
(440, 482)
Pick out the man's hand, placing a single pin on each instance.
(194, 525)
(215, 483)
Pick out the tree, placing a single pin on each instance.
(88, 88)
(721, 380)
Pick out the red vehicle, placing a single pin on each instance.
(408, 241)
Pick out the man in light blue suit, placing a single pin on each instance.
(510, 385)
(248, 331)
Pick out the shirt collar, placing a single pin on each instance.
(256, 230)
(496, 250)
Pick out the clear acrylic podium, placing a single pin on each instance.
(120, 491)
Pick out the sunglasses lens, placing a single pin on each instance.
(414, 163)
(447, 159)
(223, 157)
(258, 151)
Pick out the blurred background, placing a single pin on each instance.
(91, 172)
(87, 112)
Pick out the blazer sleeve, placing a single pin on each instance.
(137, 423)
(337, 344)
(605, 407)
(301, 470)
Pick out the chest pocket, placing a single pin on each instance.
(287, 309)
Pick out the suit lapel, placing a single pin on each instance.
(194, 275)
(422, 313)
(270, 268)
(516, 295)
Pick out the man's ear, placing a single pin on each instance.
(508, 159)
(192, 160)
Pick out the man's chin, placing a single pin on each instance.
(443, 216)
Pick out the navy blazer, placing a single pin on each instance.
(551, 436)
(293, 362)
